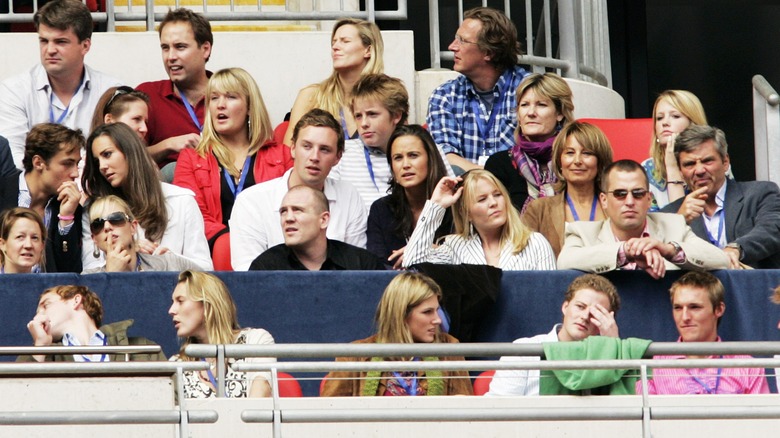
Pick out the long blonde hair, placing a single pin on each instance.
(219, 309)
(513, 231)
(236, 80)
(688, 105)
(330, 94)
(405, 292)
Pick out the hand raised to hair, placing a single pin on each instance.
(445, 194)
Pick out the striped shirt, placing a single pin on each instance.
(536, 256)
(353, 168)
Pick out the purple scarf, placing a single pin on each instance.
(534, 162)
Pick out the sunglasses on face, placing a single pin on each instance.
(116, 219)
(621, 194)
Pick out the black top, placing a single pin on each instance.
(502, 165)
(382, 234)
(341, 257)
(226, 197)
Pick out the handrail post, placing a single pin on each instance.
(277, 408)
(221, 372)
(568, 40)
(182, 397)
(646, 432)
(433, 27)
(766, 130)
(149, 15)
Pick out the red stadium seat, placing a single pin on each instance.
(288, 385)
(482, 382)
(280, 130)
(221, 253)
(630, 138)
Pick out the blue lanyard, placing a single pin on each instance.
(344, 126)
(190, 110)
(706, 387)
(369, 166)
(241, 180)
(102, 358)
(410, 388)
(67, 108)
(212, 379)
(574, 210)
(721, 219)
(484, 130)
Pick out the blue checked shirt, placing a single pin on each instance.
(453, 124)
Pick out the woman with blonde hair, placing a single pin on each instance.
(236, 150)
(356, 49)
(22, 241)
(488, 230)
(544, 106)
(673, 111)
(203, 312)
(581, 152)
(408, 312)
(113, 229)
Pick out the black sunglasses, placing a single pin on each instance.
(622, 193)
(116, 219)
(123, 89)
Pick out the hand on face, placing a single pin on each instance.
(118, 258)
(39, 329)
(604, 320)
(445, 194)
(69, 196)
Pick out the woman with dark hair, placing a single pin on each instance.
(168, 216)
(236, 150)
(580, 153)
(22, 241)
(123, 105)
(488, 230)
(203, 312)
(544, 106)
(416, 166)
(408, 313)
(357, 49)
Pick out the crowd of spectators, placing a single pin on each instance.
(503, 175)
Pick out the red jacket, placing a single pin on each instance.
(203, 176)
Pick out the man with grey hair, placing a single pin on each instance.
(742, 218)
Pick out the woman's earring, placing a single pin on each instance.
(559, 126)
(96, 252)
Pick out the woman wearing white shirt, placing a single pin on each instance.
(168, 216)
(488, 229)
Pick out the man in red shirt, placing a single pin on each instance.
(177, 104)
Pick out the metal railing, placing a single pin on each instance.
(180, 416)
(644, 413)
(766, 130)
(233, 11)
(583, 38)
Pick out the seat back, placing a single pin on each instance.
(482, 382)
(630, 138)
(220, 256)
(288, 385)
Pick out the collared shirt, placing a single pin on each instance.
(97, 339)
(27, 101)
(25, 200)
(453, 123)
(521, 382)
(713, 223)
(168, 117)
(340, 257)
(706, 380)
(255, 222)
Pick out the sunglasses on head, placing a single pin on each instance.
(623, 193)
(123, 89)
(116, 219)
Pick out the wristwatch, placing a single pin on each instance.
(677, 247)
(737, 246)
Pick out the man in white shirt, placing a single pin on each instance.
(71, 315)
(61, 89)
(318, 144)
(589, 308)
